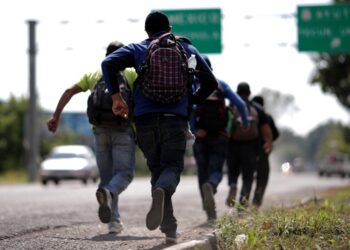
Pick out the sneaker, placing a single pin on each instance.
(115, 227)
(104, 198)
(156, 212)
(171, 237)
(208, 201)
(230, 201)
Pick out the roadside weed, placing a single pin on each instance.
(318, 224)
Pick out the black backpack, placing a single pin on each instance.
(164, 74)
(212, 114)
(99, 105)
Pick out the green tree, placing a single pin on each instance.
(11, 133)
(332, 73)
(288, 147)
(335, 137)
(313, 147)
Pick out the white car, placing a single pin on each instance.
(335, 164)
(69, 162)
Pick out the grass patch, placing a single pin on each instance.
(13, 176)
(318, 224)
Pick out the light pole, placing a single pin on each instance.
(32, 134)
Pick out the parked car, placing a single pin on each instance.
(69, 162)
(335, 164)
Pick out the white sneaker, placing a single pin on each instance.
(115, 227)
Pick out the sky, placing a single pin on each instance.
(71, 37)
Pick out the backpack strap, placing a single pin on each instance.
(183, 39)
(158, 39)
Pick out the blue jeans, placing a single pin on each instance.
(162, 139)
(210, 155)
(115, 156)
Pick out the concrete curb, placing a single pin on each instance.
(208, 243)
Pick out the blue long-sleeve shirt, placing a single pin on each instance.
(132, 55)
(234, 99)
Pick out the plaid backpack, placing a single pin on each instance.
(164, 74)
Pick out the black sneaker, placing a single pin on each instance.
(104, 198)
(208, 201)
(156, 212)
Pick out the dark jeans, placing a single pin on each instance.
(210, 155)
(262, 177)
(242, 158)
(162, 139)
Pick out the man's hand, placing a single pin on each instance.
(267, 137)
(52, 124)
(201, 133)
(119, 106)
(267, 147)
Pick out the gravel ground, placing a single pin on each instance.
(65, 217)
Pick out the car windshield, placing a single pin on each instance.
(65, 155)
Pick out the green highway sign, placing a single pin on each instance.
(324, 28)
(201, 26)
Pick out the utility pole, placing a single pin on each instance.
(32, 134)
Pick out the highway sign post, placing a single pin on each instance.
(324, 28)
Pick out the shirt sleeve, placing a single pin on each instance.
(88, 81)
(236, 100)
(131, 75)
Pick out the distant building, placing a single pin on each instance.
(73, 122)
(76, 122)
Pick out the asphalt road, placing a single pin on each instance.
(65, 216)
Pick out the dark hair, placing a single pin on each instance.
(156, 21)
(113, 46)
(243, 88)
(258, 99)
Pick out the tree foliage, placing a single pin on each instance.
(315, 146)
(324, 138)
(11, 133)
(332, 73)
(289, 147)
